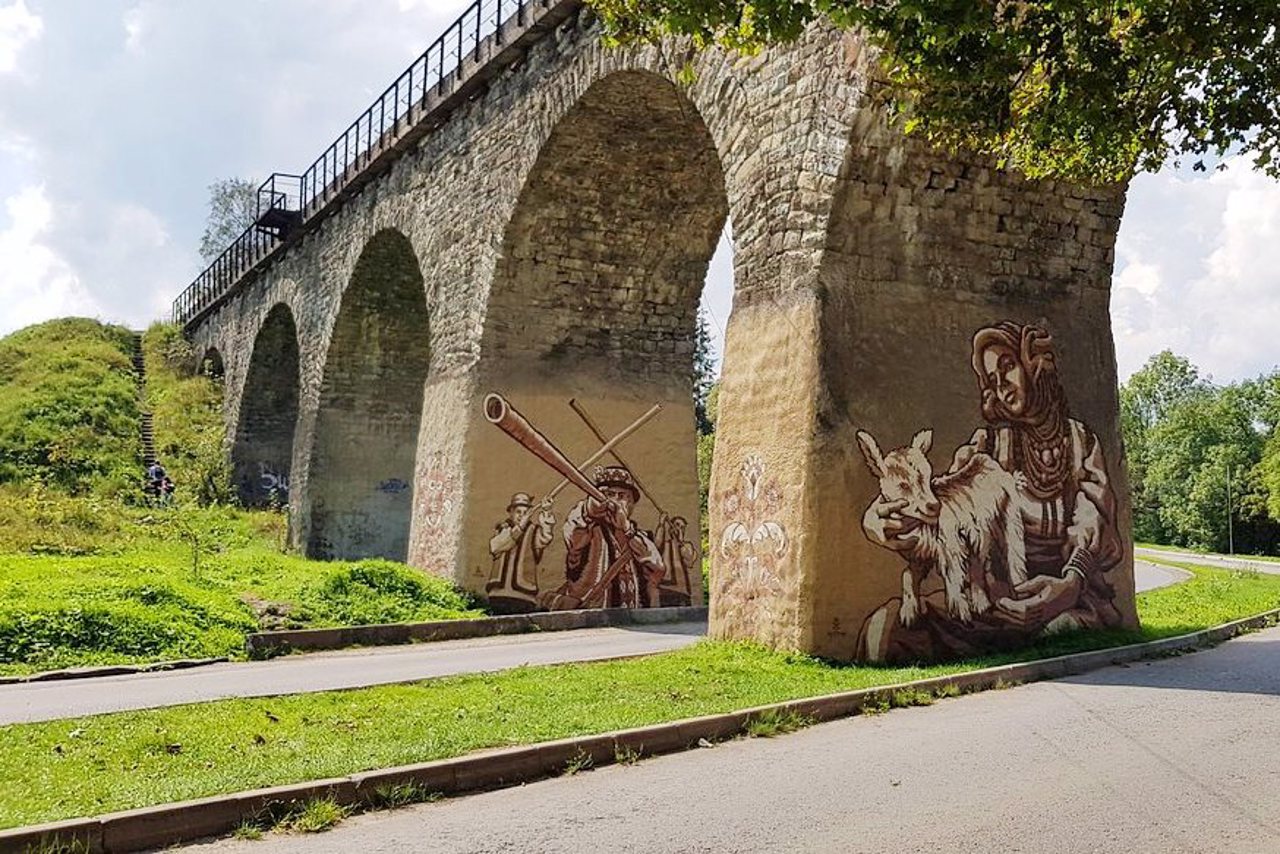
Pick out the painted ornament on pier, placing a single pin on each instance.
(754, 548)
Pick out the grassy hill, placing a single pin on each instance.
(91, 575)
(186, 405)
(69, 407)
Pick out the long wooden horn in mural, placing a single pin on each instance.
(591, 425)
(505, 416)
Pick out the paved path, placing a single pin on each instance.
(1178, 755)
(1225, 561)
(300, 674)
(39, 701)
(1149, 576)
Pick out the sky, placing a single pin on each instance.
(116, 115)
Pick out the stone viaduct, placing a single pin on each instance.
(538, 224)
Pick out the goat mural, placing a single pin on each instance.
(969, 526)
(1021, 528)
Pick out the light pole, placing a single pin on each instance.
(1231, 540)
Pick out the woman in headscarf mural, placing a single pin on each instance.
(1068, 509)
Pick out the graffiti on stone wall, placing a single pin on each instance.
(610, 561)
(393, 486)
(1020, 530)
(754, 546)
(273, 481)
(434, 505)
(268, 488)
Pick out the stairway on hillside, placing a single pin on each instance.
(146, 429)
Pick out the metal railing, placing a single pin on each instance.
(358, 146)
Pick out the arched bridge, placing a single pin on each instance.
(497, 269)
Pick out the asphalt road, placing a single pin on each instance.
(1178, 755)
(40, 701)
(1225, 561)
(300, 674)
(1149, 576)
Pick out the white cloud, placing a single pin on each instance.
(1198, 271)
(18, 27)
(135, 27)
(35, 283)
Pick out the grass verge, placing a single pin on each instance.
(185, 583)
(95, 765)
(1192, 550)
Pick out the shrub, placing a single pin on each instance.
(379, 591)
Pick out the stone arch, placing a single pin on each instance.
(262, 452)
(594, 300)
(361, 470)
(611, 234)
(212, 365)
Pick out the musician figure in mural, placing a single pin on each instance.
(610, 561)
(679, 556)
(1062, 490)
(517, 546)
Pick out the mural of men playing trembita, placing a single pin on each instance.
(517, 546)
(610, 562)
(679, 556)
(1063, 492)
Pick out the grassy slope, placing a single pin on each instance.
(149, 601)
(112, 762)
(68, 407)
(89, 577)
(186, 408)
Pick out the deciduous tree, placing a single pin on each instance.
(233, 207)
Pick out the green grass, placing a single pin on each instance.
(771, 722)
(112, 762)
(68, 407)
(90, 576)
(147, 598)
(1194, 550)
(314, 817)
(186, 408)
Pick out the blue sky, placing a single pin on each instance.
(116, 115)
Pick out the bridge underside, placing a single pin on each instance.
(897, 314)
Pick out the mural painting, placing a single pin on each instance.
(610, 560)
(1020, 530)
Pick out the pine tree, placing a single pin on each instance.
(704, 375)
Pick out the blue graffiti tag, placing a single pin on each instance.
(393, 486)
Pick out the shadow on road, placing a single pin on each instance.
(1249, 665)
(687, 629)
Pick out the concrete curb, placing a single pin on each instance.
(153, 827)
(110, 670)
(267, 644)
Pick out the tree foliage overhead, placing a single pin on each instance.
(233, 207)
(1087, 90)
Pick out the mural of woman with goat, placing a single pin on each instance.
(1021, 529)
